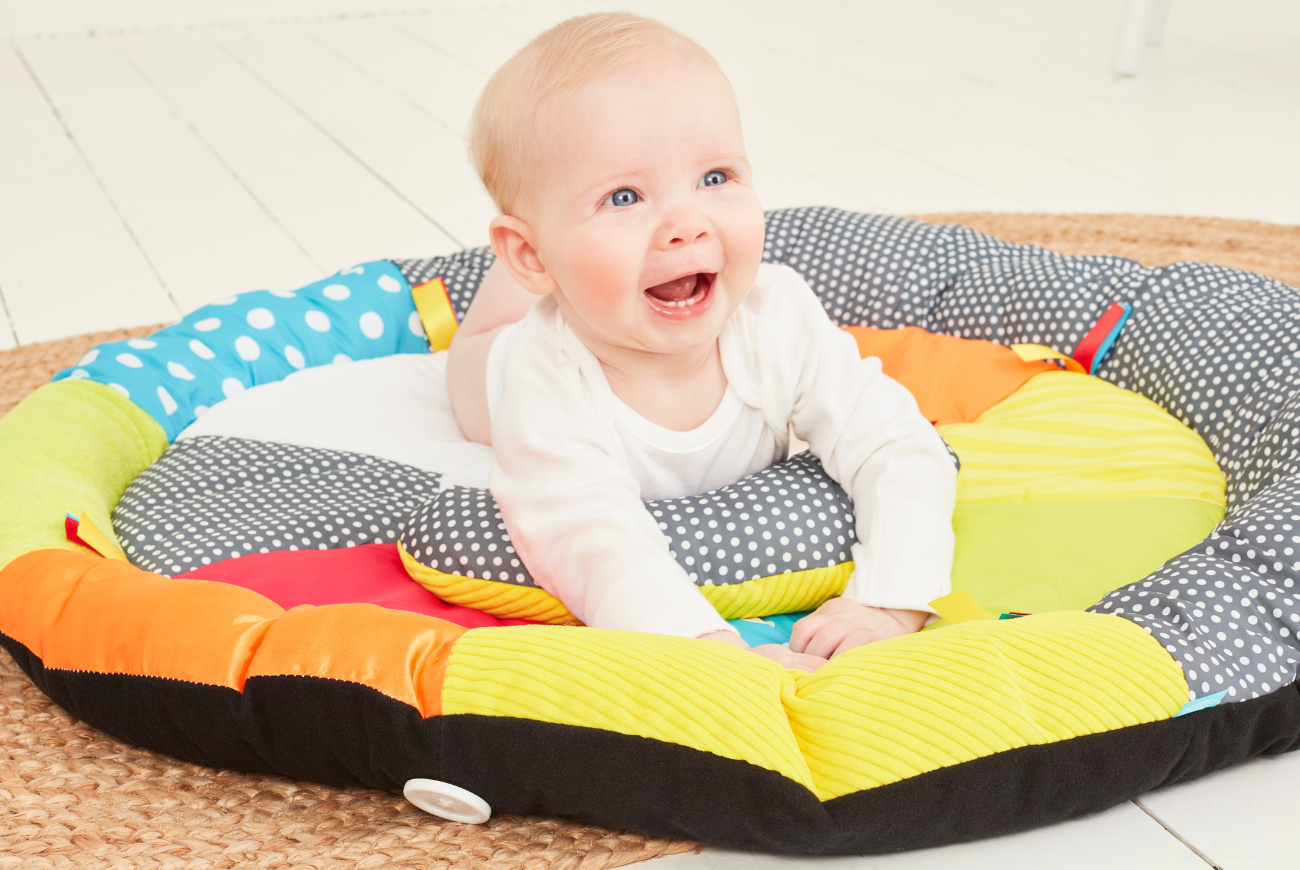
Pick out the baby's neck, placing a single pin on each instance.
(675, 391)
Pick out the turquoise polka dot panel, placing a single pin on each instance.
(254, 338)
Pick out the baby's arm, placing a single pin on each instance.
(499, 302)
(870, 436)
(572, 507)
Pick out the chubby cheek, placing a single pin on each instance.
(600, 275)
(743, 243)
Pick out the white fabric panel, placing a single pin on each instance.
(394, 407)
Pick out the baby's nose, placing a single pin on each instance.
(685, 226)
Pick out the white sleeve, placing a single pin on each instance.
(871, 437)
(572, 507)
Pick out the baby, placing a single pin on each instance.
(658, 357)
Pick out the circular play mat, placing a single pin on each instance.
(77, 811)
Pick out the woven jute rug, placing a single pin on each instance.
(71, 796)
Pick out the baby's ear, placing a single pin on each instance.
(513, 242)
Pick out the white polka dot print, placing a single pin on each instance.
(247, 348)
(260, 318)
(168, 403)
(372, 325)
(176, 370)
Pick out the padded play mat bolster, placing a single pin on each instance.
(957, 732)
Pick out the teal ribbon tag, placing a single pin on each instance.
(1201, 703)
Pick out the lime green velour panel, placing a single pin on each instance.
(71, 446)
(1040, 556)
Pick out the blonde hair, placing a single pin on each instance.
(569, 55)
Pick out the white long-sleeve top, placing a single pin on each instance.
(572, 463)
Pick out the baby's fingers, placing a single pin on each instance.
(855, 639)
(787, 659)
(830, 635)
(806, 629)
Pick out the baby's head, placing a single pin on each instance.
(612, 146)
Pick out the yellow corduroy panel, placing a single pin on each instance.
(899, 708)
(705, 695)
(1070, 437)
(505, 600)
(780, 593)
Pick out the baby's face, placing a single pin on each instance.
(644, 211)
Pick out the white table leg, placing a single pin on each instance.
(1133, 33)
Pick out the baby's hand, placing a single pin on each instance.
(778, 653)
(840, 625)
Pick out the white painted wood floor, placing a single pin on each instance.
(187, 150)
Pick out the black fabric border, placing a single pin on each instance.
(344, 733)
(311, 728)
(668, 790)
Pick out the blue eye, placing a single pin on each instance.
(622, 196)
(713, 178)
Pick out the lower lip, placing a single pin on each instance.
(686, 312)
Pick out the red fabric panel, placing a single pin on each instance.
(368, 574)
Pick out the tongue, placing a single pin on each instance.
(673, 291)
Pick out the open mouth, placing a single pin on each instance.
(683, 295)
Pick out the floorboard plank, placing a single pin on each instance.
(1242, 818)
(413, 152)
(68, 261)
(331, 205)
(435, 83)
(203, 230)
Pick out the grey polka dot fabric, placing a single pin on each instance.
(460, 531)
(1228, 611)
(212, 498)
(462, 272)
(789, 517)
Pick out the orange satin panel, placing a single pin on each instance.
(399, 653)
(76, 611)
(954, 380)
(81, 612)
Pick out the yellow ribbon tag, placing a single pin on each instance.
(436, 313)
(960, 606)
(101, 542)
(1036, 352)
